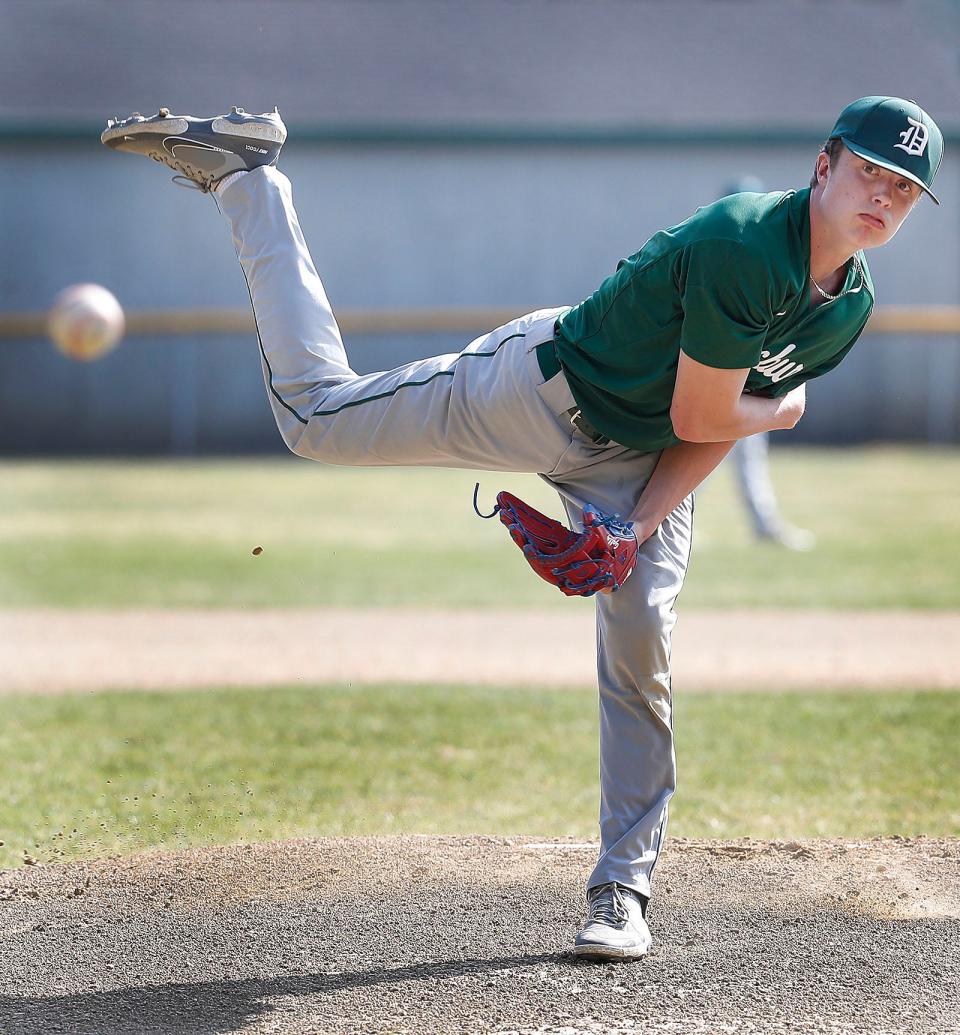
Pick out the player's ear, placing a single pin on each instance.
(823, 168)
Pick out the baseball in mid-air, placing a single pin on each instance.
(85, 321)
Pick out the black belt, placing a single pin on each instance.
(550, 367)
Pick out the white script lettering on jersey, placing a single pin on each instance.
(778, 367)
(914, 138)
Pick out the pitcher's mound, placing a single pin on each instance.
(441, 934)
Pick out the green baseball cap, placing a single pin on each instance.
(895, 134)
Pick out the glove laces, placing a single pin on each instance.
(613, 523)
(476, 507)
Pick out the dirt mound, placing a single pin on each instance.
(420, 934)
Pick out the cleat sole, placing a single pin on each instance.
(171, 127)
(254, 130)
(611, 952)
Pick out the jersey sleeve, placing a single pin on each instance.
(725, 290)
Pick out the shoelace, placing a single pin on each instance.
(608, 907)
(187, 179)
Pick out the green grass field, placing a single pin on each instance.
(180, 534)
(89, 775)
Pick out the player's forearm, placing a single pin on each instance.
(749, 415)
(678, 472)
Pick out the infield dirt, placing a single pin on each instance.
(420, 935)
(48, 650)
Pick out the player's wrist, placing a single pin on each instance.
(644, 526)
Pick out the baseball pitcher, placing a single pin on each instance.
(624, 403)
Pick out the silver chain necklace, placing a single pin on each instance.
(850, 290)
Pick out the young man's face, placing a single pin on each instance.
(863, 203)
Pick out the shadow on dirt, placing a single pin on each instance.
(457, 935)
(221, 1007)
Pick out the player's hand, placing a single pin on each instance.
(791, 408)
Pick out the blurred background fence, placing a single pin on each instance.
(187, 382)
(494, 157)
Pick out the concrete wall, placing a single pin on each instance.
(394, 226)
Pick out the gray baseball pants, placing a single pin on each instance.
(489, 408)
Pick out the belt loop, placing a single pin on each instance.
(585, 428)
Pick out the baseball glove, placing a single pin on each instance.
(579, 564)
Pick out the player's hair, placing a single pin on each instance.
(832, 147)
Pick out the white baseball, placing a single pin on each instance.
(85, 321)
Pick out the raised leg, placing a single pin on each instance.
(479, 408)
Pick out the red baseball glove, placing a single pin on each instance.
(579, 564)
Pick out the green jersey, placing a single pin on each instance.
(730, 287)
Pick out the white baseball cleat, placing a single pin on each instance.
(616, 928)
(202, 150)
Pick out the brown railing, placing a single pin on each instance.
(925, 320)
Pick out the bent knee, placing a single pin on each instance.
(634, 655)
(293, 434)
